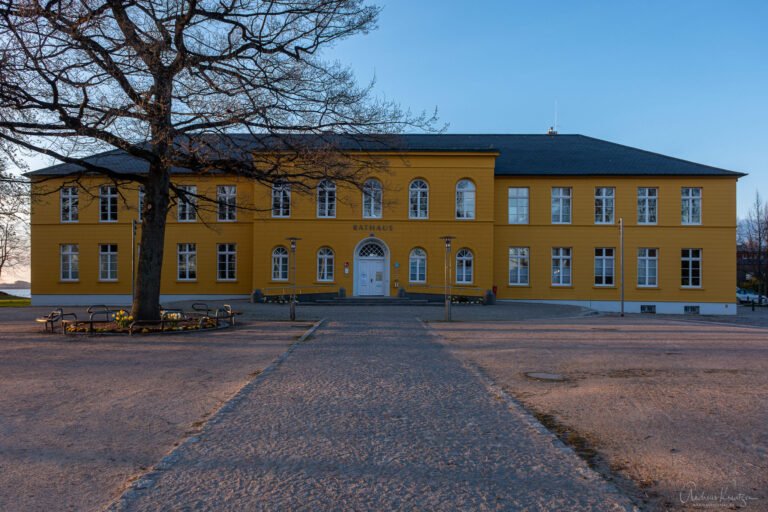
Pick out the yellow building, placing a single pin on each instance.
(534, 218)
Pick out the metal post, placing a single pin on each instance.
(133, 260)
(447, 276)
(292, 309)
(621, 261)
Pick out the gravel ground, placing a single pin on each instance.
(678, 406)
(372, 414)
(80, 418)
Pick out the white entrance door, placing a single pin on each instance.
(370, 277)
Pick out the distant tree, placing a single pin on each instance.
(752, 235)
(166, 80)
(14, 214)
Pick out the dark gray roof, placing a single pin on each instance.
(518, 155)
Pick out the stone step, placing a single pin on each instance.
(369, 301)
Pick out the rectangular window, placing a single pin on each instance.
(108, 262)
(227, 262)
(647, 205)
(691, 205)
(226, 199)
(69, 204)
(648, 309)
(187, 207)
(690, 268)
(647, 267)
(604, 205)
(281, 200)
(691, 310)
(186, 262)
(519, 263)
(518, 205)
(70, 262)
(561, 266)
(604, 266)
(108, 203)
(561, 205)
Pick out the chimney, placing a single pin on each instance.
(551, 131)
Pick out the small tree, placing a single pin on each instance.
(166, 81)
(14, 212)
(753, 240)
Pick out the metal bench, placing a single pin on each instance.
(55, 316)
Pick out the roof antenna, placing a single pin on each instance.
(553, 129)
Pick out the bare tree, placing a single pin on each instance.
(167, 82)
(14, 214)
(753, 240)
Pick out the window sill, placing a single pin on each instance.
(68, 221)
(107, 221)
(692, 288)
(560, 286)
(647, 223)
(227, 280)
(185, 221)
(68, 281)
(417, 284)
(186, 280)
(108, 281)
(324, 282)
(463, 284)
(646, 287)
(519, 285)
(562, 223)
(418, 218)
(281, 216)
(603, 286)
(226, 220)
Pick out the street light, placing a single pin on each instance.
(447, 275)
(293, 241)
(621, 262)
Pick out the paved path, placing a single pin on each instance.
(372, 414)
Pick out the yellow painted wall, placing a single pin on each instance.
(489, 236)
(716, 236)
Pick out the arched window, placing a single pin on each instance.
(280, 264)
(465, 200)
(417, 266)
(325, 264)
(281, 199)
(326, 199)
(464, 265)
(372, 199)
(418, 200)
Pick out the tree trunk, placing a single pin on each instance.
(146, 299)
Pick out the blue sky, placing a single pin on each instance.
(684, 78)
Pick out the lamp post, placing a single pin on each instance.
(447, 275)
(293, 241)
(621, 263)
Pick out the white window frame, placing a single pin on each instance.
(689, 199)
(418, 199)
(562, 259)
(519, 260)
(326, 200)
(186, 253)
(108, 261)
(69, 202)
(69, 262)
(226, 202)
(605, 259)
(466, 199)
(280, 263)
(647, 206)
(281, 200)
(186, 211)
(465, 266)
(644, 258)
(326, 260)
(417, 266)
(562, 196)
(373, 199)
(519, 197)
(226, 260)
(605, 205)
(108, 199)
(691, 260)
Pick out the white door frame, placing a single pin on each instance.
(356, 267)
